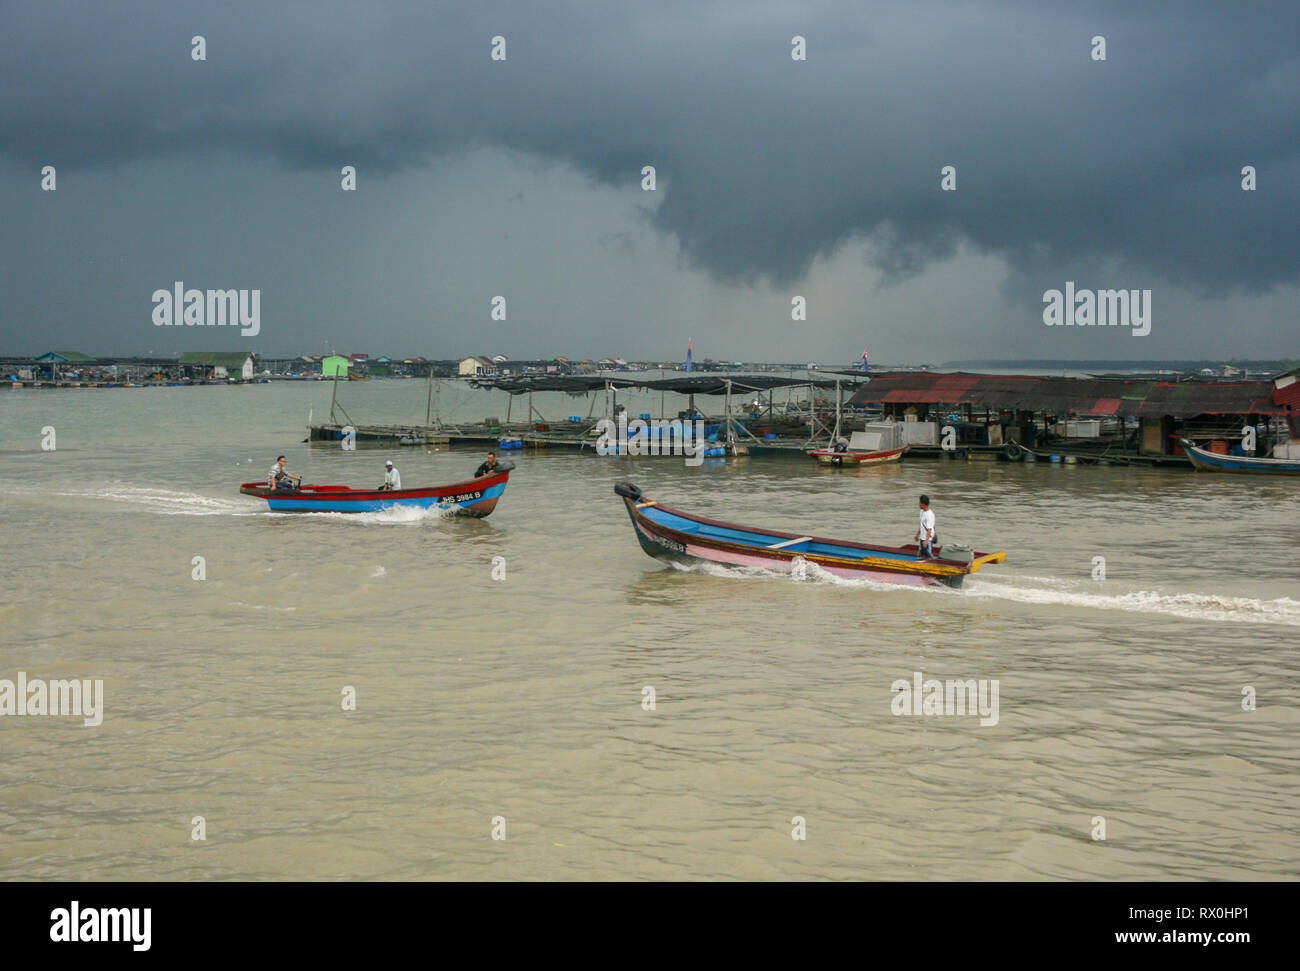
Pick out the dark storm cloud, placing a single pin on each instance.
(764, 163)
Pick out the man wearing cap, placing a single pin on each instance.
(392, 480)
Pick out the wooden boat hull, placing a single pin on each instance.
(1204, 460)
(826, 456)
(677, 537)
(475, 497)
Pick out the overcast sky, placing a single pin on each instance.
(777, 178)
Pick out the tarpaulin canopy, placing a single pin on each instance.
(694, 384)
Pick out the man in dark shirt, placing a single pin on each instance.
(488, 467)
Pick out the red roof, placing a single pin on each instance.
(1081, 396)
(1289, 396)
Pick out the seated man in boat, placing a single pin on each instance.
(392, 478)
(281, 478)
(925, 532)
(488, 467)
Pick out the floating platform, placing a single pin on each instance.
(485, 436)
(580, 438)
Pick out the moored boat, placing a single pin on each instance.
(678, 537)
(1206, 461)
(475, 497)
(829, 456)
(875, 444)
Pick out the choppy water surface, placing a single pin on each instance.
(1119, 698)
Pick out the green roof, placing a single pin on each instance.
(225, 359)
(65, 357)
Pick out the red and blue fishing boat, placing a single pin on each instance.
(1206, 461)
(679, 537)
(475, 497)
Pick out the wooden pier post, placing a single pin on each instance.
(838, 398)
(428, 405)
(731, 437)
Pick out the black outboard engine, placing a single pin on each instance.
(628, 491)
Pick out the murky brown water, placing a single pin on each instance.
(523, 699)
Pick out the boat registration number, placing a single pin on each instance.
(671, 544)
(463, 496)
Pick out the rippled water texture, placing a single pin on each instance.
(1119, 698)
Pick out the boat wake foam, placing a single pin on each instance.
(392, 516)
(167, 501)
(1191, 606)
(1051, 591)
(803, 572)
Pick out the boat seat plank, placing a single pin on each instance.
(789, 542)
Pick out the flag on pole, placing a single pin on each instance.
(689, 366)
(865, 365)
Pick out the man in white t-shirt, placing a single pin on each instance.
(392, 479)
(925, 533)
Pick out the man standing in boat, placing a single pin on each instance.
(488, 467)
(925, 533)
(281, 478)
(392, 478)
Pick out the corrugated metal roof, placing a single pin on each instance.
(1083, 396)
(226, 359)
(1289, 394)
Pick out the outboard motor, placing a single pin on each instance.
(628, 491)
(505, 465)
(958, 552)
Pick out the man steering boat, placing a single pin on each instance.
(281, 478)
